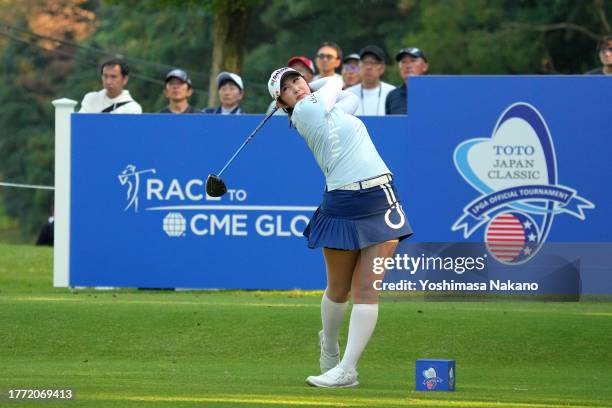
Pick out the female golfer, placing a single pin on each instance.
(360, 218)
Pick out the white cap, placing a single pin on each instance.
(274, 84)
(231, 76)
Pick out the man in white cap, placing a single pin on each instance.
(231, 92)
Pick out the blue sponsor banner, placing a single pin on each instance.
(512, 163)
(474, 138)
(141, 217)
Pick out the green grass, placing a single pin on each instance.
(9, 227)
(253, 349)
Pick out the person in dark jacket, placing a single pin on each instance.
(231, 93)
(412, 62)
(178, 90)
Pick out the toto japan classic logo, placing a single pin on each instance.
(515, 171)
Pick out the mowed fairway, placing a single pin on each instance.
(254, 349)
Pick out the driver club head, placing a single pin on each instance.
(215, 187)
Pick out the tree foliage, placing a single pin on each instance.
(53, 48)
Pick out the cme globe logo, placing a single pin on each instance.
(515, 172)
(174, 224)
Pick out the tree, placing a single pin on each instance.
(153, 38)
(509, 37)
(54, 48)
(33, 68)
(26, 145)
(229, 37)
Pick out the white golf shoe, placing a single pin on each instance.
(337, 377)
(327, 361)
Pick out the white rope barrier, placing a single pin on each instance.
(27, 186)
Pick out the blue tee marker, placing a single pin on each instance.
(435, 375)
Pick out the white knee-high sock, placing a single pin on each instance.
(361, 327)
(332, 314)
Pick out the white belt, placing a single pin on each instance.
(369, 183)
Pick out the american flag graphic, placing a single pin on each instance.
(512, 237)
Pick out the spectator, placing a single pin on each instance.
(113, 98)
(604, 49)
(178, 90)
(350, 70)
(304, 66)
(372, 92)
(329, 57)
(231, 93)
(412, 62)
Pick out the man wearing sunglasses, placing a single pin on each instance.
(328, 59)
(412, 62)
(604, 49)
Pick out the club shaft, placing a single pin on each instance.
(248, 139)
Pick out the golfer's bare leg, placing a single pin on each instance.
(340, 266)
(362, 286)
(365, 302)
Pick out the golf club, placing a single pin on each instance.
(215, 187)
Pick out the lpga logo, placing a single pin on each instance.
(516, 172)
(130, 177)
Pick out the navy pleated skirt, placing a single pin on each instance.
(357, 219)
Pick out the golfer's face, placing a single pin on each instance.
(412, 66)
(177, 90)
(294, 89)
(113, 81)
